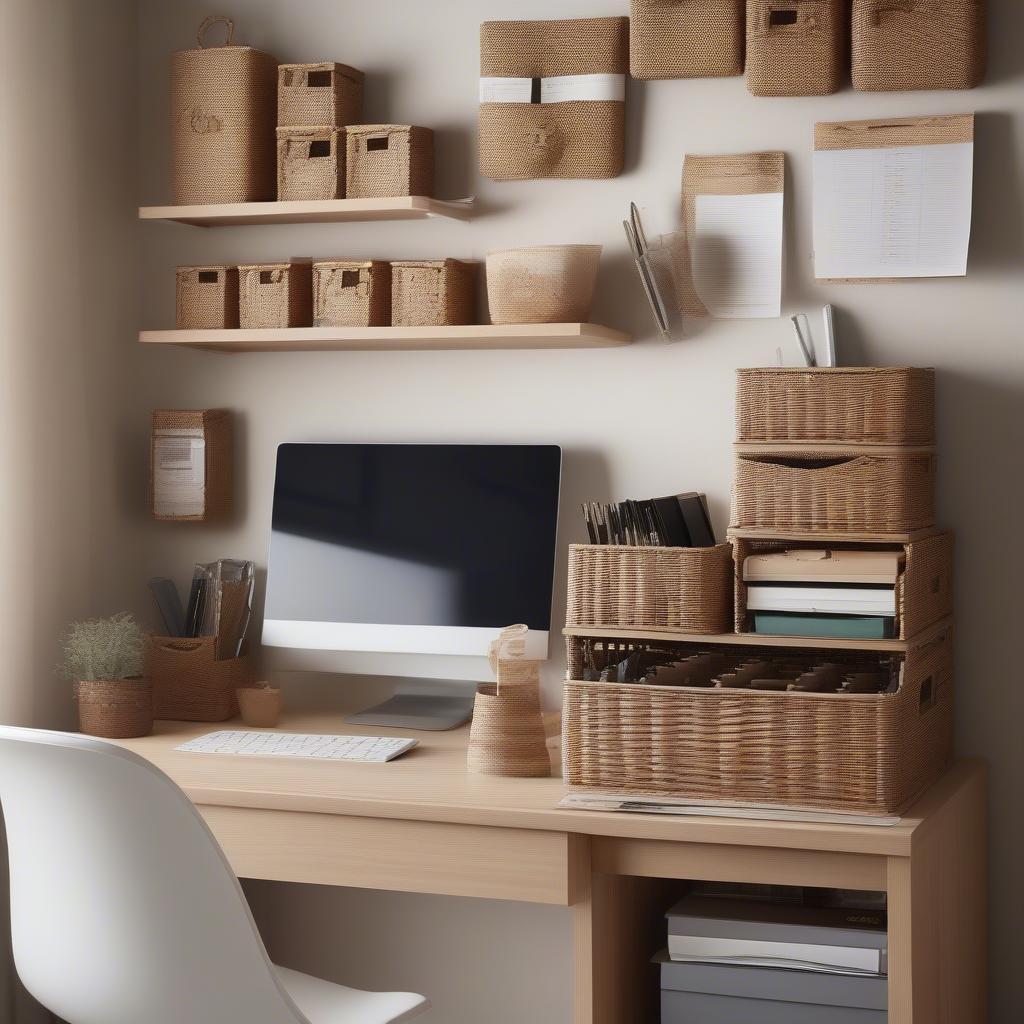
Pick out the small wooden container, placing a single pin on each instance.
(189, 683)
(310, 163)
(352, 293)
(116, 709)
(206, 298)
(260, 706)
(387, 160)
(275, 295)
(190, 465)
(319, 94)
(432, 293)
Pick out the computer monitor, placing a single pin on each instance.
(424, 551)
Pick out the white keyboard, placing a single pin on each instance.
(369, 749)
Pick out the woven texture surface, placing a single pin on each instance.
(223, 103)
(872, 753)
(115, 709)
(685, 38)
(545, 284)
(310, 163)
(903, 45)
(320, 95)
(218, 490)
(432, 293)
(352, 293)
(189, 684)
(575, 139)
(275, 295)
(387, 160)
(206, 298)
(891, 405)
(803, 57)
(689, 589)
(835, 491)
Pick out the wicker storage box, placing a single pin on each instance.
(685, 38)
(856, 405)
(869, 753)
(387, 160)
(190, 465)
(206, 298)
(924, 589)
(552, 98)
(903, 45)
(275, 295)
(795, 47)
(319, 94)
(352, 293)
(310, 163)
(189, 684)
(688, 589)
(835, 491)
(222, 119)
(432, 293)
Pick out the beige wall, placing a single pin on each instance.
(421, 61)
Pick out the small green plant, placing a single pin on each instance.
(103, 649)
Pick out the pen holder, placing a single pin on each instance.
(189, 683)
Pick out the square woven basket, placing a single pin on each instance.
(685, 38)
(275, 295)
(310, 163)
(388, 160)
(352, 293)
(206, 298)
(796, 47)
(319, 94)
(189, 683)
(432, 293)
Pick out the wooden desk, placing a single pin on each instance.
(423, 824)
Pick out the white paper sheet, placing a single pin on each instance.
(900, 212)
(737, 255)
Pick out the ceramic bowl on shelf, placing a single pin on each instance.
(542, 284)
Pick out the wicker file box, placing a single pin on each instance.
(387, 160)
(189, 684)
(190, 465)
(206, 298)
(685, 38)
(352, 293)
(310, 163)
(275, 295)
(796, 47)
(319, 94)
(432, 293)
(688, 589)
(222, 122)
(869, 753)
(916, 44)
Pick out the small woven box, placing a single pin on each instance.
(310, 163)
(432, 293)
(275, 295)
(190, 476)
(796, 47)
(319, 94)
(685, 38)
(388, 160)
(206, 298)
(352, 293)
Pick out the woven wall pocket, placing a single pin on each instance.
(189, 683)
(275, 295)
(223, 101)
(310, 163)
(190, 465)
(795, 47)
(386, 160)
(918, 44)
(206, 298)
(552, 98)
(432, 293)
(319, 94)
(352, 293)
(507, 734)
(685, 38)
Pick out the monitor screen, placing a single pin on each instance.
(410, 548)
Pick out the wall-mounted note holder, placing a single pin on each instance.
(190, 478)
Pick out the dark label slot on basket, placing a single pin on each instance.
(319, 79)
(350, 279)
(381, 142)
(927, 696)
(208, 276)
(782, 18)
(806, 463)
(319, 149)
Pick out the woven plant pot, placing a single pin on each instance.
(115, 709)
(544, 284)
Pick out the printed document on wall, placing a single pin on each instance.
(892, 212)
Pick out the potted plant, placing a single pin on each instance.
(103, 657)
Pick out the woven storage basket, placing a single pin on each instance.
(544, 284)
(206, 298)
(835, 491)
(685, 38)
(190, 465)
(890, 405)
(275, 295)
(795, 47)
(924, 589)
(902, 45)
(222, 120)
(869, 753)
(432, 293)
(688, 589)
(352, 293)
(573, 138)
(387, 160)
(189, 684)
(319, 94)
(310, 163)
(117, 709)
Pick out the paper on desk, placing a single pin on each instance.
(736, 253)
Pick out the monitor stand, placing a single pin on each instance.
(419, 709)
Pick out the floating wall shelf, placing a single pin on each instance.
(824, 537)
(340, 339)
(322, 211)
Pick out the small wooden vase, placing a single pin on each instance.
(260, 706)
(115, 709)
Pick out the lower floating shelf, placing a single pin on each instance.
(341, 339)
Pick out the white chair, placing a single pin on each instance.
(124, 909)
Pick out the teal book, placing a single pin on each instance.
(844, 627)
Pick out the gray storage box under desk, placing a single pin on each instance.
(722, 994)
